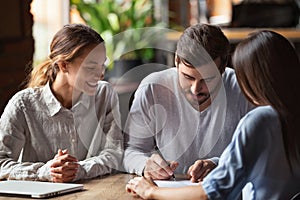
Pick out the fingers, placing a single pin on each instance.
(195, 171)
(173, 165)
(60, 160)
(132, 185)
(204, 174)
(65, 156)
(190, 171)
(64, 167)
(154, 170)
(135, 180)
(61, 152)
(62, 178)
(157, 168)
(130, 188)
(140, 186)
(65, 173)
(200, 169)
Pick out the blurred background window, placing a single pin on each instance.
(49, 16)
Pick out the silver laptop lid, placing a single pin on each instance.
(37, 189)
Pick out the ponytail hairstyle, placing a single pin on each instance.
(268, 68)
(67, 44)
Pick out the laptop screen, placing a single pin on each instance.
(37, 189)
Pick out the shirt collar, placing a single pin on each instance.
(51, 102)
(54, 105)
(84, 100)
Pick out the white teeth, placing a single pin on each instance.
(92, 84)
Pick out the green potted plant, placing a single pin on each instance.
(122, 24)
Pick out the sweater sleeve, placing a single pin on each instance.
(139, 132)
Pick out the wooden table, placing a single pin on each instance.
(110, 187)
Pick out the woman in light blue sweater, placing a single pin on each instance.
(264, 153)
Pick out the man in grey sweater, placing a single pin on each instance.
(189, 112)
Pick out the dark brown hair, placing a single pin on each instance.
(268, 69)
(202, 43)
(67, 44)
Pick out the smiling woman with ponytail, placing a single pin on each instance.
(65, 125)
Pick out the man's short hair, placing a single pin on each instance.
(202, 43)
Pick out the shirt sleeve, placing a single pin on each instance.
(139, 132)
(215, 160)
(229, 177)
(12, 140)
(106, 149)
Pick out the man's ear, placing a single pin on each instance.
(63, 66)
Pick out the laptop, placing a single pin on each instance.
(37, 189)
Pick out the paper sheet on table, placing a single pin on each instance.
(174, 184)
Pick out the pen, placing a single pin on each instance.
(159, 153)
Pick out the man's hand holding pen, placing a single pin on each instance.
(157, 168)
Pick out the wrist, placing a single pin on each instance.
(151, 192)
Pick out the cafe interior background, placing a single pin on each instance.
(28, 26)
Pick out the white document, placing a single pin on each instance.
(174, 184)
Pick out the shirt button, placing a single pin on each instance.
(73, 140)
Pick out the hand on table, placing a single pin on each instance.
(200, 169)
(64, 167)
(141, 186)
(156, 168)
